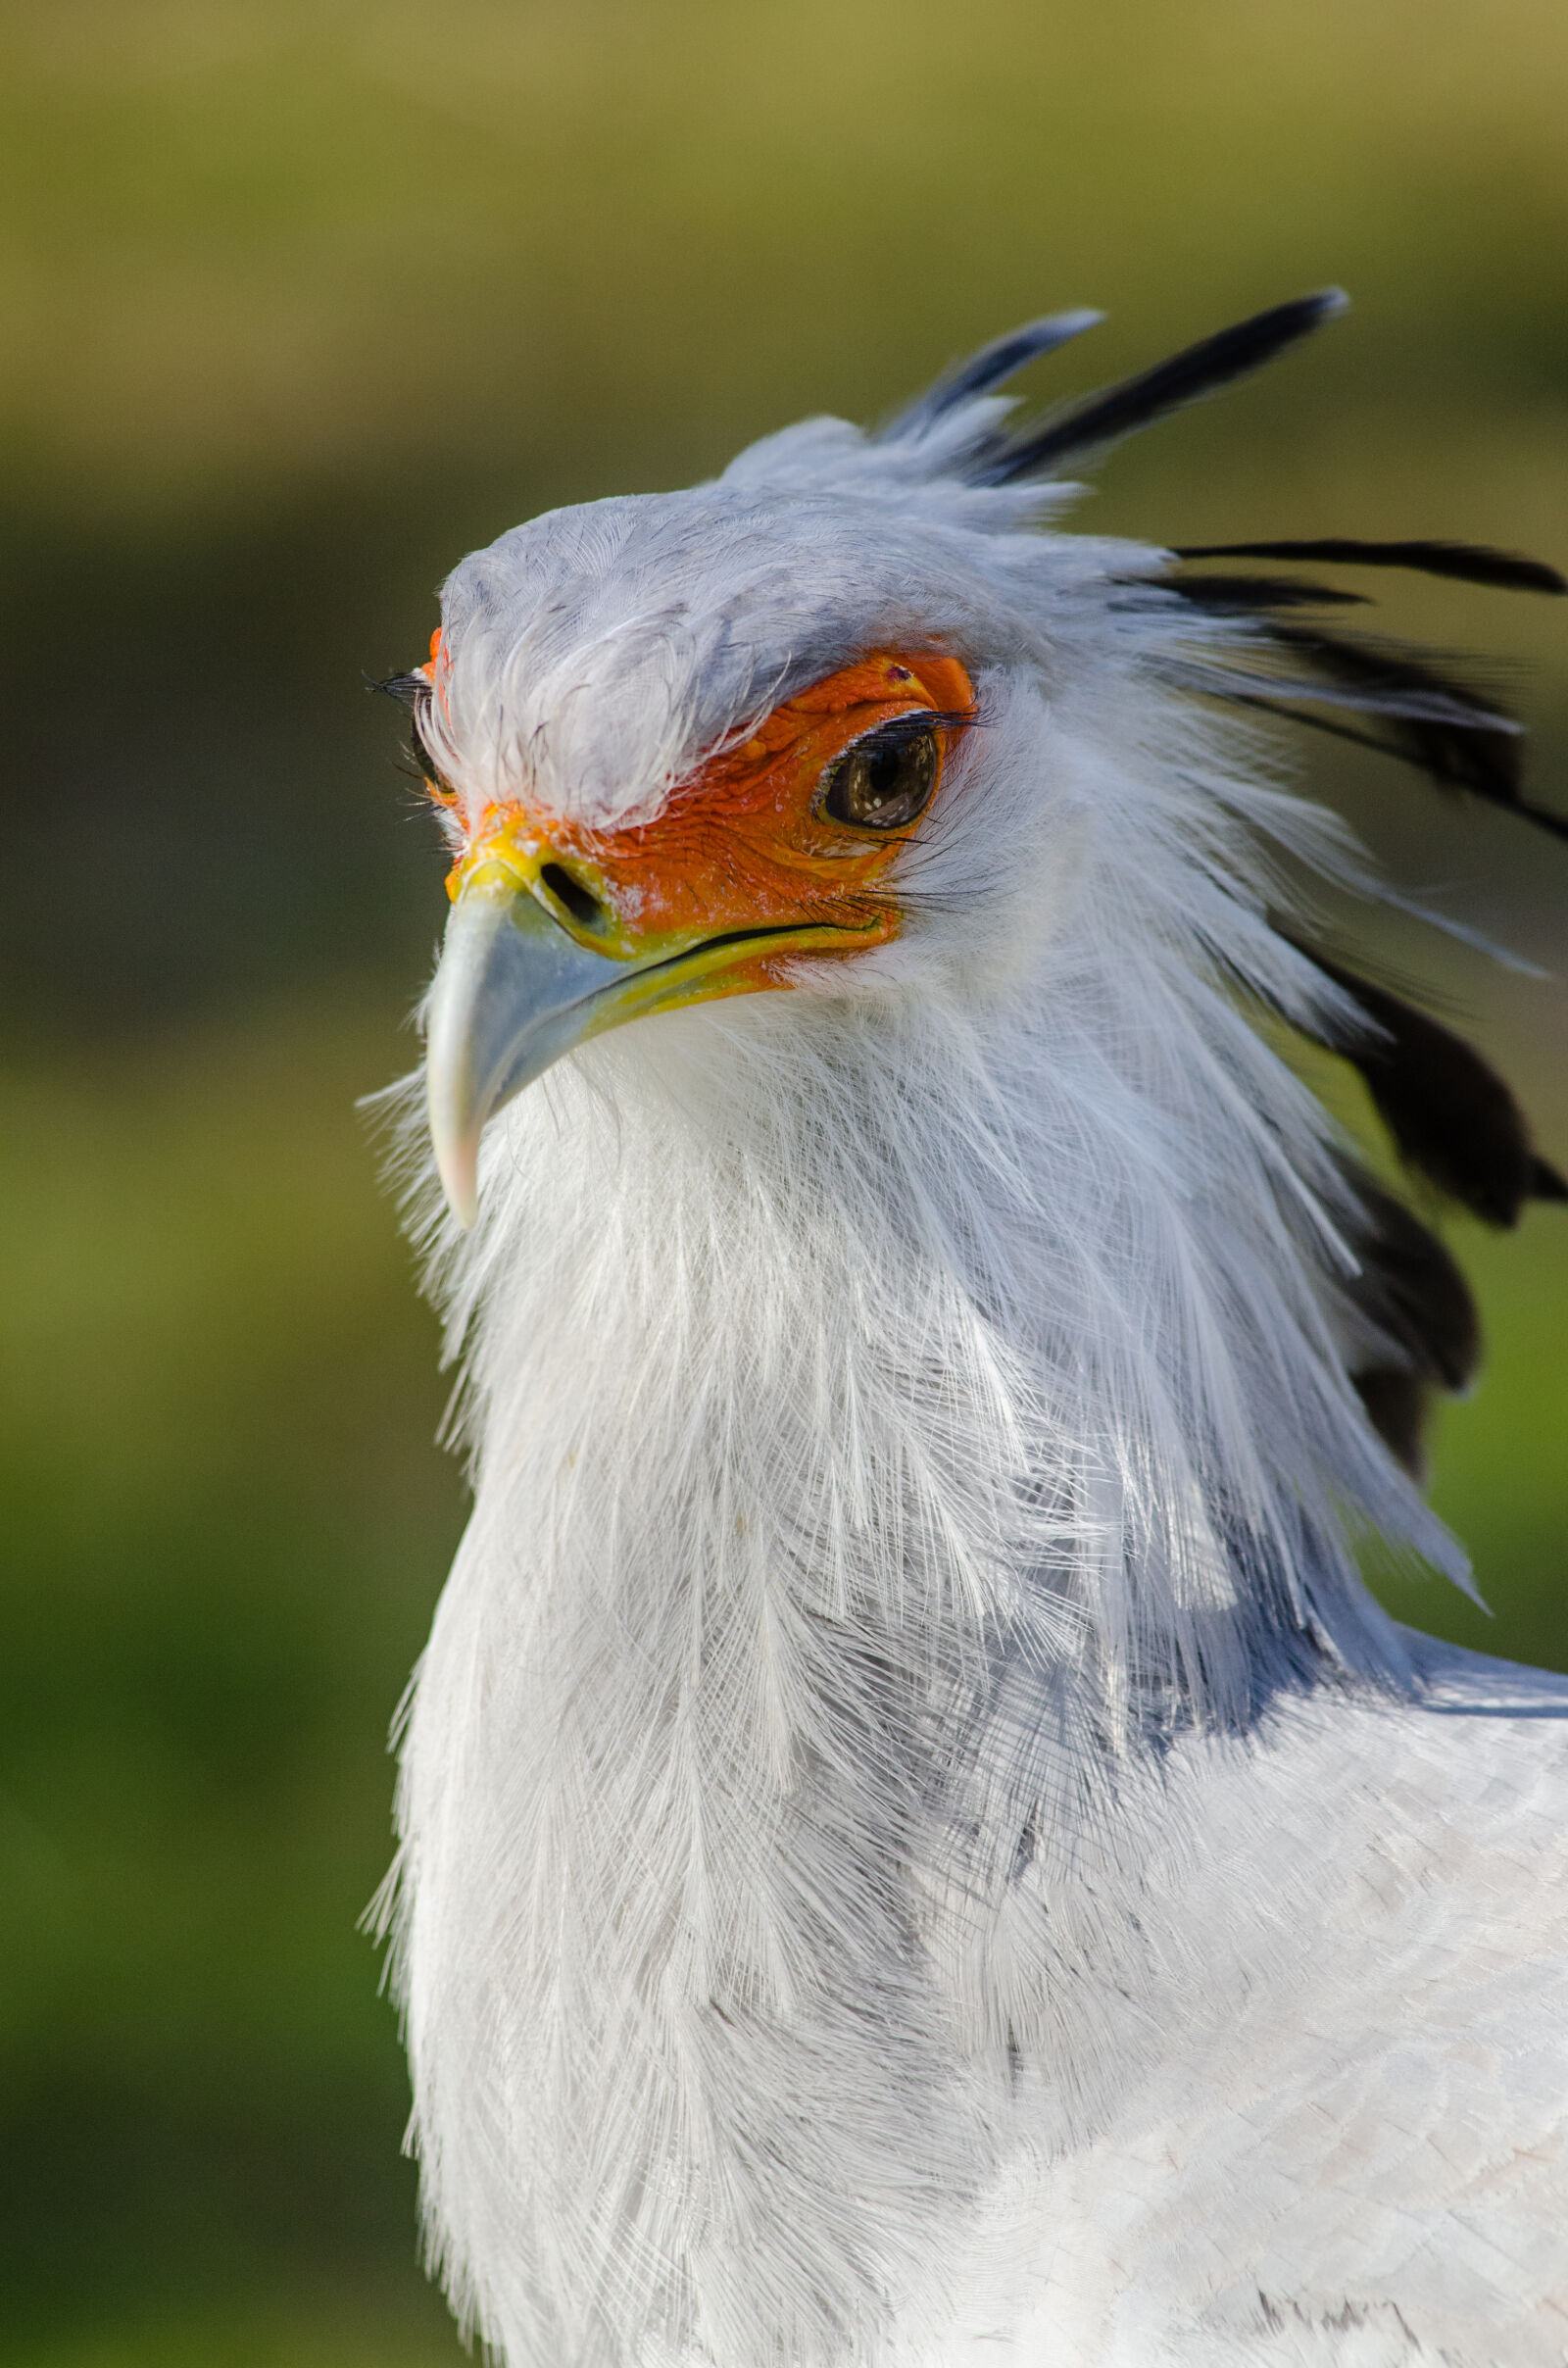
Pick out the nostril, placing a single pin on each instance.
(583, 906)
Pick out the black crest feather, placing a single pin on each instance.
(1426, 713)
(1453, 1118)
(1198, 370)
(1261, 595)
(1422, 714)
(1412, 1293)
(990, 367)
(1418, 708)
(1469, 563)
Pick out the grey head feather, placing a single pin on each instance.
(597, 652)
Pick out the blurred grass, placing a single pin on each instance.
(226, 1518)
(322, 236)
(302, 301)
(1498, 1464)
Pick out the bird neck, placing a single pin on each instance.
(870, 1409)
(950, 1334)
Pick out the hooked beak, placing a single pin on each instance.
(515, 990)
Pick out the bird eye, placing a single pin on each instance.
(885, 780)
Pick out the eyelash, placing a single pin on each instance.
(413, 691)
(429, 771)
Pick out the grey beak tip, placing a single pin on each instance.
(513, 992)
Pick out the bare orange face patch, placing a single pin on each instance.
(745, 844)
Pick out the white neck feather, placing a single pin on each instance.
(891, 1417)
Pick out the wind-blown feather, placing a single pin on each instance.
(1259, 595)
(1464, 562)
(1426, 1332)
(990, 367)
(1450, 1114)
(1198, 370)
(917, 1844)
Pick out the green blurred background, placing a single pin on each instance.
(301, 302)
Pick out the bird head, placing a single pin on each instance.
(818, 726)
(770, 857)
(718, 743)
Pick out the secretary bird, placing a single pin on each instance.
(917, 1847)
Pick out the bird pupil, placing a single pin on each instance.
(884, 780)
(883, 768)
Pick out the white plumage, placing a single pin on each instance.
(919, 1848)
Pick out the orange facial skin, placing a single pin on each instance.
(739, 846)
